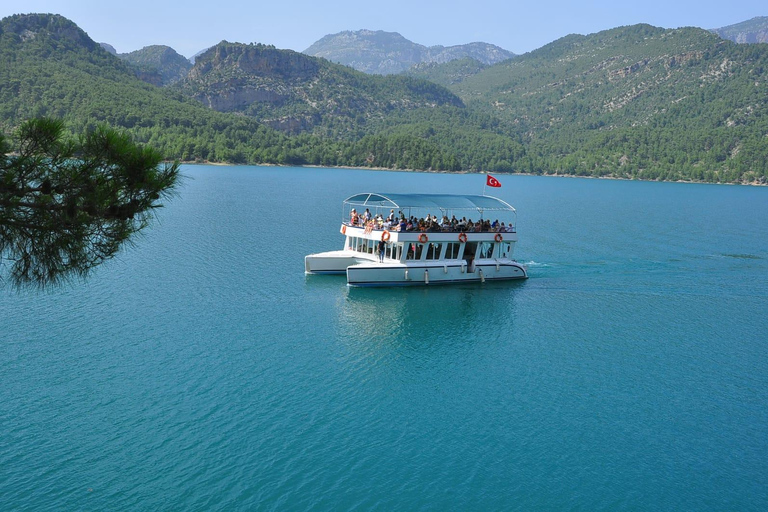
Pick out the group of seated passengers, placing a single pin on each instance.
(428, 225)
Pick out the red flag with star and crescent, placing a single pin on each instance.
(492, 182)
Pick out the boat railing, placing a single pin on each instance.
(445, 229)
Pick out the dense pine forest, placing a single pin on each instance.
(634, 102)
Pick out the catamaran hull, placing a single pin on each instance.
(381, 274)
(333, 262)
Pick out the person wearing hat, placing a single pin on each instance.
(353, 217)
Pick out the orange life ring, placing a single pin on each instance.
(498, 237)
(423, 238)
(343, 229)
(385, 236)
(462, 237)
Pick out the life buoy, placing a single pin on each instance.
(385, 236)
(462, 237)
(423, 238)
(498, 237)
(344, 229)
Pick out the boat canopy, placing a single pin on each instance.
(443, 202)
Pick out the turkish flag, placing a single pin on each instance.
(492, 182)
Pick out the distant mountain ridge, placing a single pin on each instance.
(383, 53)
(158, 64)
(750, 31)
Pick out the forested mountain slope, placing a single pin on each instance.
(634, 101)
(50, 67)
(297, 93)
(158, 64)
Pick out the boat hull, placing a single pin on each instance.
(420, 274)
(333, 262)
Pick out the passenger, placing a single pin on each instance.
(403, 224)
(495, 225)
(381, 248)
(353, 217)
(367, 215)
(391, 216)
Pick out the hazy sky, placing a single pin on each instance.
(517, 26)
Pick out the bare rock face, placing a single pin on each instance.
(747, 32)
(261, 60)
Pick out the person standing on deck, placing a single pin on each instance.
(381, 248)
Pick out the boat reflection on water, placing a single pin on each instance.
(419, 317)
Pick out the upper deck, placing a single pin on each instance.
(422, 217)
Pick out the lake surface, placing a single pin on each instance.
(202, 370)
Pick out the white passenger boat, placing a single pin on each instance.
(447, 251)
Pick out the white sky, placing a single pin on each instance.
(517, 26)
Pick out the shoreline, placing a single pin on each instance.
(556, 175)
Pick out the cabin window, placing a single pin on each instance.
(433, 251)
(506, 249)
(397, 251)
(452, 250)
(485, 250)
(393, 251)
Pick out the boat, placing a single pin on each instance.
(453, 248)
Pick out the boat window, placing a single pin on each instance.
(506, 249)
(411, 254)
(397, 251)
(419, 251)
(485, 250)
(452, 250)
(433, 251)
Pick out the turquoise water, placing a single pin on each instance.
(202, 370)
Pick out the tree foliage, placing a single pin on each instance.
(68, 205)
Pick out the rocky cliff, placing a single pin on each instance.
(750, 31)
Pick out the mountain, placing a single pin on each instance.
(634, 101)
(379, 52)
(159, 65)
(750, 31)
(109, 48)
(50, 67)
(294, 92)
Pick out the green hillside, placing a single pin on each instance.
(297, 93)
(634, 102)
(157, 64)
(49, 67)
